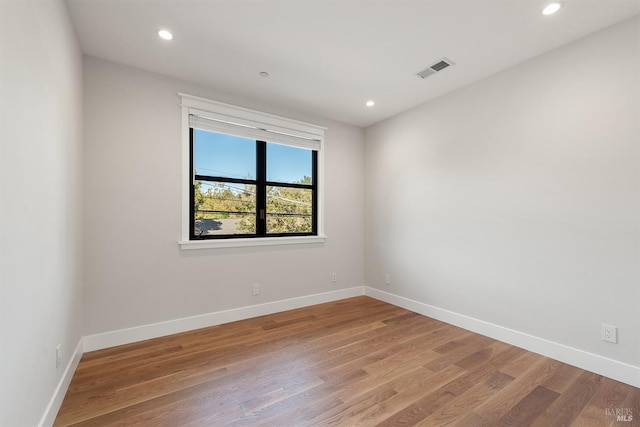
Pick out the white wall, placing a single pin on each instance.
(515, 200)
(40, 252)
(135, 273)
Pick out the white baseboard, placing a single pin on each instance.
(58, 395)
(619, 371)
(139, 333)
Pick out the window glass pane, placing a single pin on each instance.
(224, 208)
(288, 164)
(227, 156)
(289, 210)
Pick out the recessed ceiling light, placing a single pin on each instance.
(164, 34)
(551, 8)
(370, 103)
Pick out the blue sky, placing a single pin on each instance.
(235, 157)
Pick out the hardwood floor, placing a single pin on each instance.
(354, 362)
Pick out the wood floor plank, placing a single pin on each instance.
(354, 362)
(572, 401)
(410, 387)
(532, 406)
(481, 380)
(609, 396)
(629, 410)
(500, 404)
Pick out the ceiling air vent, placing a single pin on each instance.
(438, 66)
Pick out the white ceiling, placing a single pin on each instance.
(328, 57)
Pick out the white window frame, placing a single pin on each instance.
(306, 133)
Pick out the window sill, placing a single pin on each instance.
(250, 242)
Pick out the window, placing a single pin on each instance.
(247, 188)
(251, 178)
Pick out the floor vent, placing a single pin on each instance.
(438, 66)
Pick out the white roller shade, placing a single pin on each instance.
(224, 118)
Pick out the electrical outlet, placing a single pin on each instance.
(334, 277)
(609, 333)
(58, 356)
(387, 279)
(255, 290)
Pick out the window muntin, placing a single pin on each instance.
(278, 197)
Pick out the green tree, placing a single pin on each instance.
(289, 209)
